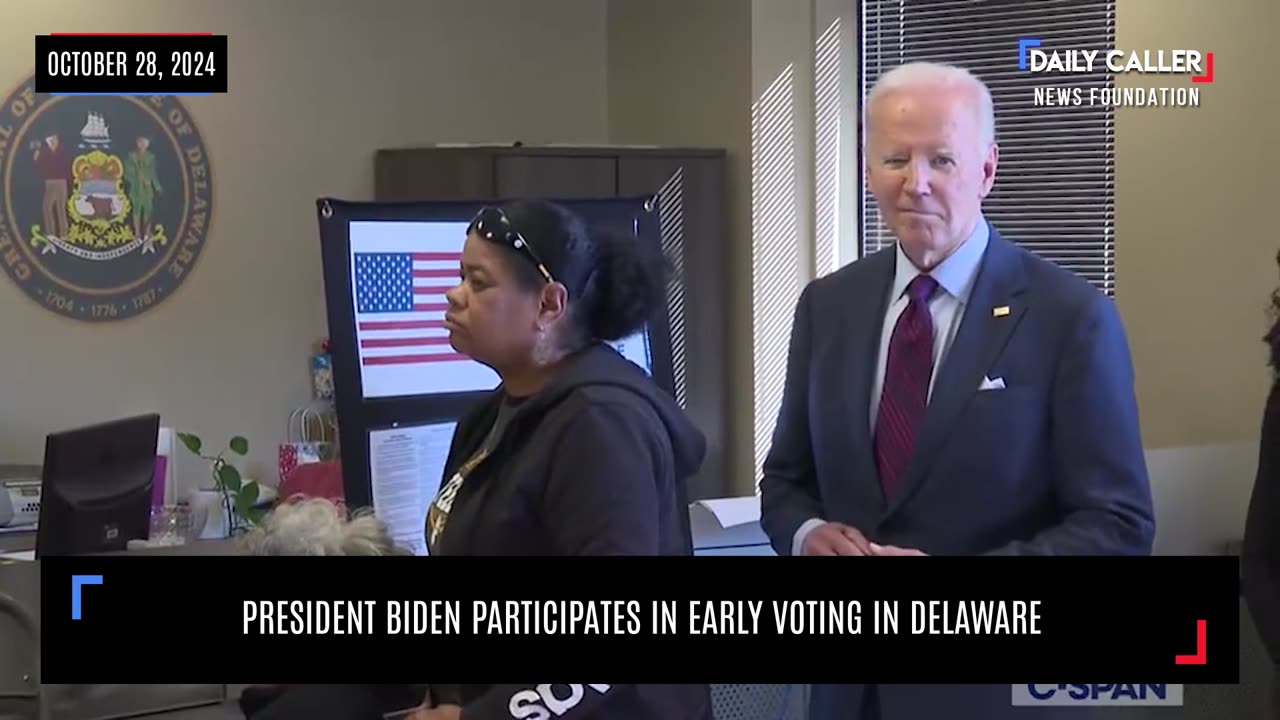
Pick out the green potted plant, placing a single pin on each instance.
(239, 496)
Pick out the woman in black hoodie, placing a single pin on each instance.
(1260, 558)
(578, 451)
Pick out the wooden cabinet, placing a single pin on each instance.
(551, 177)
(690, 184)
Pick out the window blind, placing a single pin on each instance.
(1055, 182)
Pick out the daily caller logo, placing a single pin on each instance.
(1185, 71)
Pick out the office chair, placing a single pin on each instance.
(10, 606)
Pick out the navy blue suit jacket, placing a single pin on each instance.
(1051, 465)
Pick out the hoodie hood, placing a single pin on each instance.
(599, 365)
(566, 446)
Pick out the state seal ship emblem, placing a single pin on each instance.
(107, 213)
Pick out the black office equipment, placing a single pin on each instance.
(96, 487)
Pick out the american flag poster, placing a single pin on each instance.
(400, 271)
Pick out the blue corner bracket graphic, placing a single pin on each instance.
(78, 582)
(1023, 44)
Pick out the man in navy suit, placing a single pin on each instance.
(954, 394)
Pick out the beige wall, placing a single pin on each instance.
(680, 75)
(317, 86)
(1196, 235)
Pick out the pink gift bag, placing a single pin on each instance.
(308, 441)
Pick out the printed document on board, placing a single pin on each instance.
(405, 465)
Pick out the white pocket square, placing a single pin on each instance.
(990, 384)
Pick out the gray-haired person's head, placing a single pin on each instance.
(316, 526)
(931, 156)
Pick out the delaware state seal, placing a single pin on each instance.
(107, 200)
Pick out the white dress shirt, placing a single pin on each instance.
(955, 277)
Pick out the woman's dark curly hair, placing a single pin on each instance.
(1272, 338)
(615, 281)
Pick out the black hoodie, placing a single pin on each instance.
(593, 464)
(578, 702)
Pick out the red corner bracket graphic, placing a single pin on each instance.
(1207, 77)
(1200, 657)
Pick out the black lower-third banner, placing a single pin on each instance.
(647, 620)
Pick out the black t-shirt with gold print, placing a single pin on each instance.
(438, 514)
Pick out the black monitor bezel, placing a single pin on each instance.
(358, 415)
(56, 531)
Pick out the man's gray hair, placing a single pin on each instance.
(926, 74)
(316, 526)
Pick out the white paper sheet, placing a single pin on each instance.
(405, 465)
(732, 511)
(727, 522)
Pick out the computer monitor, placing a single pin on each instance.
(96, 487)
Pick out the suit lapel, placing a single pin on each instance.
(982, 334)
(866, 321)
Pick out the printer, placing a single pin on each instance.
(19, 496)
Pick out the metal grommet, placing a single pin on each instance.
(326, 210)
(650, 203)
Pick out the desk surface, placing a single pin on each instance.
(26, 542)
(227, 546)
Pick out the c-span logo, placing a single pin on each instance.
(107, 200)
(1111, 694)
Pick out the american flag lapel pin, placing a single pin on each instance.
(1000, 311)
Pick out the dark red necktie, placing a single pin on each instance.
(906, 385)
